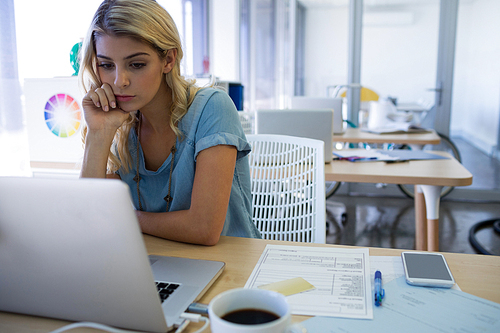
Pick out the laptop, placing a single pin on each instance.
(314, 124)
(334, 103)
(72, 249)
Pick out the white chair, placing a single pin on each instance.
(288, 187)
(247, 119)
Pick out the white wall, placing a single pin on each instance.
(476, 94)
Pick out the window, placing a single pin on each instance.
(268, 53)
(195, 14)
(37, 37)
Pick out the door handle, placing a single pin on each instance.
(439, 92)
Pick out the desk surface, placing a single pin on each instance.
(475, 274)
(442, 172)
(355, 135)
(411, 107)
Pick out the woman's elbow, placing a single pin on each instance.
(209, 237)
(211, 240)
(211, 234)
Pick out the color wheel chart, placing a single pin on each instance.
(63, 115)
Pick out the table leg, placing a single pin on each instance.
(420, 220)
(432, 195)
(420, 212)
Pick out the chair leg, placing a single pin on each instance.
(338, 213)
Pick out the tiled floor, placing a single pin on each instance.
(389, 222)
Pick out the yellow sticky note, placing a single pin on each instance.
(289, 287)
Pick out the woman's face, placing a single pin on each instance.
(134, 71)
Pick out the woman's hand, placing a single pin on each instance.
(103, 118)
(101, 111)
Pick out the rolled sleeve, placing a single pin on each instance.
(242, 146)
(219, 124)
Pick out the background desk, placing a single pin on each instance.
(430, 174)
(356, 135)
(417, 110)
(475, 274)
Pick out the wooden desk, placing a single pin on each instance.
(411, 107)
(430, 175)
(475, 274)
(356, 135)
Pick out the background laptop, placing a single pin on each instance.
(73, 249)
(315, 124)
(334, 103)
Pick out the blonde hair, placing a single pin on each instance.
(146, 21)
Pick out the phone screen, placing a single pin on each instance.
(426, 266)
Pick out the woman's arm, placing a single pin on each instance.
(202, 223)
(95, 156)
(103, 118)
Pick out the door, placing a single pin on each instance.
(390, 47)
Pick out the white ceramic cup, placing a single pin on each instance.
(379, 111)
(239, 299)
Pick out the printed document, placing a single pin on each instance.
(376, 155)
(413, 309)
(397, 128)
(341, 278)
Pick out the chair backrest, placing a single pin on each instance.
(366, 94)
(288, 187)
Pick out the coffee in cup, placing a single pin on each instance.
(249, 311)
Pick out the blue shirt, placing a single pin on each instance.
(212, 119)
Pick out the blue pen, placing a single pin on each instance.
(379, 292)
(366, 159)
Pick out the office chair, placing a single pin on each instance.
(366, 94)
(247, 119)
(288, 187)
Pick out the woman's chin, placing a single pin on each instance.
(126, 109)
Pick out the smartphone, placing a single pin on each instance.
(427, 269)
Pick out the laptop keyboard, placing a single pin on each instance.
(165, 289)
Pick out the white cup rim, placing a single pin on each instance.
(282, 316)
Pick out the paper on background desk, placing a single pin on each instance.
(341, 278)
(413, 309)
(377, 155)
(364, 154)
(397, 128)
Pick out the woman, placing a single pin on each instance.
(181, 149)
